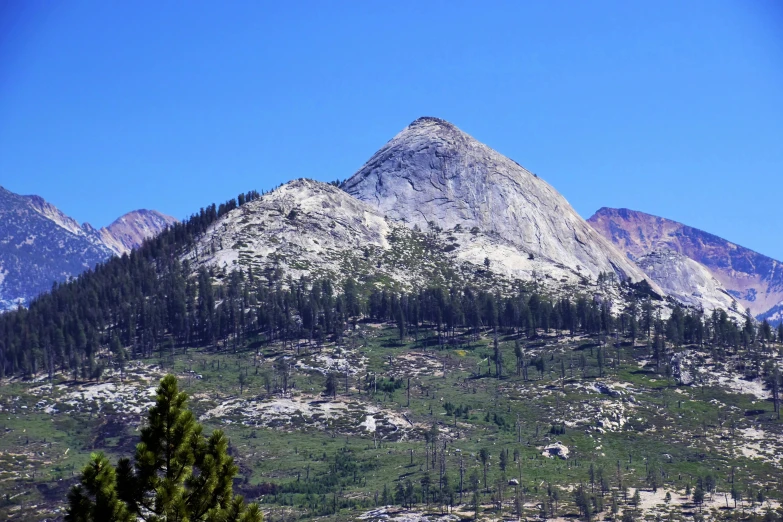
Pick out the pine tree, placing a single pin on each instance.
(425, 488)
(503, 460)
(330, 388)
(96, 498)
(518, 354)
(177, 473)
(497, 356)
(600, 360)
(698, 496)
(401, 326)
(484, 457)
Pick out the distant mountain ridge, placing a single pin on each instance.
(39, 244)
(432, 206)
(754, 280)
(131, 229)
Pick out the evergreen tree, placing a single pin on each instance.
(484, 457)
(177, 474)
(96, 498)
(425, 488)
(600, 361)
(498, 357)
(330, 388)
(698, 496)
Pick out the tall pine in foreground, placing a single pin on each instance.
(177, 474)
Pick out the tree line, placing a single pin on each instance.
(155, 300)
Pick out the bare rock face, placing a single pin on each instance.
(308, 228)
(433, 174)
(130, 230)
(682, 368)
(685, 280)
(53, 214)
(556, 449)
(304, 226)
(753, 279)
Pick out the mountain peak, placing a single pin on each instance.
(142, 213)
(131, 229)
(625, 213)
(430, 121)
(434, 173)
(429, 128)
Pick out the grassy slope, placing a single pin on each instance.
(686, 432)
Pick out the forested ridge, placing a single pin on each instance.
(150, 301)
(121, 300)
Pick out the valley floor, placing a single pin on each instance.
(425, 422)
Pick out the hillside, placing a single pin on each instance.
(316, 230)
(542, 432)
(340, 390)
(373, 356)
(753, 279)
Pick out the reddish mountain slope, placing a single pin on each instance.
(753, 279)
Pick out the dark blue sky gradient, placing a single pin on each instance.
(673, 108)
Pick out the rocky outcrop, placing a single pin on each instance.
(753, 279)
(556, 449)
(303, 227)
(685, 280)
(682, 368)
(309, 228)
(434, 175)
(313, 229)
(40, 245)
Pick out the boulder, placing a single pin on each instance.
(556, 450)
(681, 368)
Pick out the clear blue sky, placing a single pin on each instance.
(669, 107)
